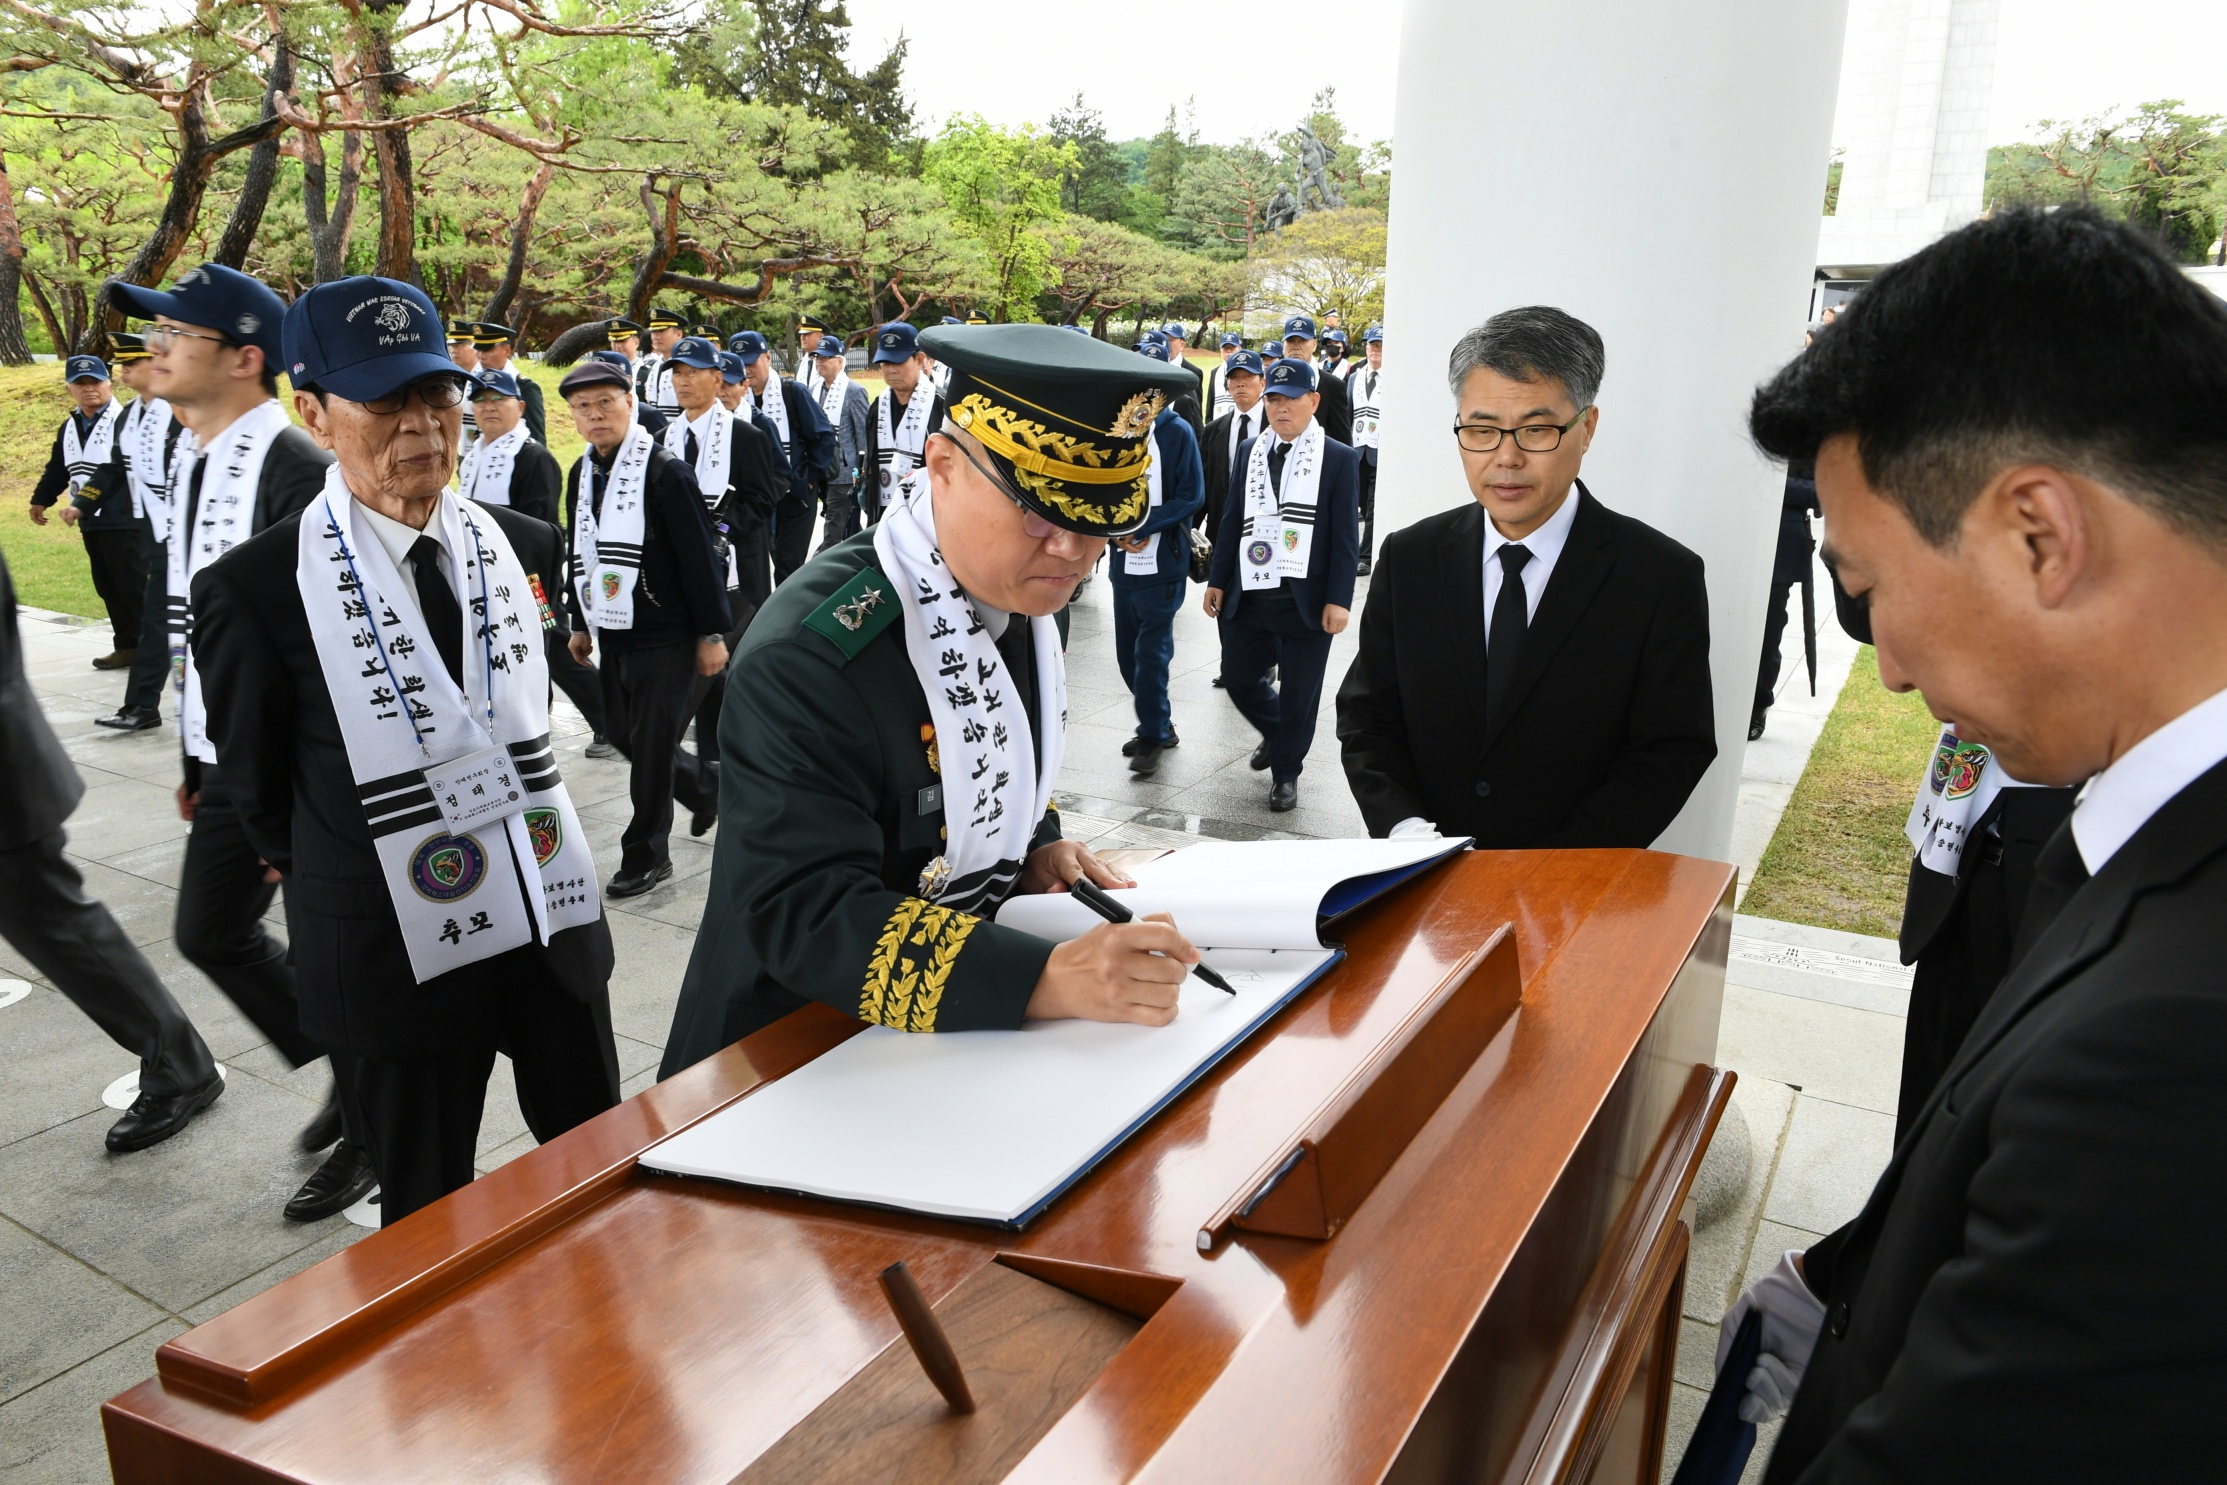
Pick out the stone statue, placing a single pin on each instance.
(1313, 177)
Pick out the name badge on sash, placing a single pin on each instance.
(476, 789)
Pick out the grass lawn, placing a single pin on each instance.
(1839, 859)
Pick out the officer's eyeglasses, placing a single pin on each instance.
(1033, 526)
(1532, 438)
(163, 337)
(437, 392)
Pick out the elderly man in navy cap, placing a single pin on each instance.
(1178, 337)
(146, 433)
(87, 464)
(807, 440)
(1217, 400)
(902, 417)
(240, 467)
(1282, 580)
(377, 688)
(843, 403)
(1335, 415)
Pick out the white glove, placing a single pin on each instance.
(1413, 825)
(1792, 1317)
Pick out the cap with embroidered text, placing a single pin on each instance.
(1299, 327)
(86, 369)
(214, 297)
(748, 344)
(1231, 340)
(895, 341)
(1246, 361)
(494, 384)
(829, 345)
(1374, 335)
(694, 350)
(1289, 377)
(731, 368)
(363, 338)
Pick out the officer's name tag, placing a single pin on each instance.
(476, 788)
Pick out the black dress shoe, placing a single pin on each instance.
(1220, 684)
(1259, 759)
(1145, 762)
(700, 821)
(131, 719)
(1284, 796)
(635, 883)
(1755, 727)
(325, 1128)
(1136, 745)
(602, 747)
(153, 1118)
(338, 1184)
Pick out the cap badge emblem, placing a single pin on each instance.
(247, 324)
(1136, 415)
(393, 316)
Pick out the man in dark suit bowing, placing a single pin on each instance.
(1282, 579)
(377, 691)
(2019, 435)
(1533, 667)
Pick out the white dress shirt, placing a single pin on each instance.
(398, 539)
(2120, 800)
(1545, 546)
(1257, 420)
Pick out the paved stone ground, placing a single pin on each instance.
(103, 1258)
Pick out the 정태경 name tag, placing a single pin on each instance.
(476, 788)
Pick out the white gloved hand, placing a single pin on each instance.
(1792, 1317)
(1413, 825)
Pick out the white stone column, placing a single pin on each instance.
(1655, 170)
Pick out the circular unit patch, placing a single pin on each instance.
(445, 868)
(1260, 552)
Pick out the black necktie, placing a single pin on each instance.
(688, 449)
(1276, 468)
(1511, 618)
(2059, 873)
(438, 604)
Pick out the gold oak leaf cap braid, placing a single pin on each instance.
(1067, 418)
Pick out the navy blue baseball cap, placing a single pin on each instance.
(896, 341)
(1334, 336)
(496, 384)
(694, 350)
(1231, 340)
(951, 320)
(611, 358)
(1247, 361)
(218, 298)
(830, 345)
(1372, 335)
(1290, 378)
(731, 367)
(1299, 326)
(748, 344)
(1174, 330)
(86, 369)
(362, 338)
(1155, 347)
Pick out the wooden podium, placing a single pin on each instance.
(1497, 1298)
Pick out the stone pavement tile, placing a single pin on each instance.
(638, 1082)
(220, 1023)
(679, 902)
(652, 957)
(1773, 1241)
(55, 1312)
(1828, 1051)
(500, 1121)
(123, 816)
(635, 1054)
(1720, 1248)
(606, 822)
(163, 862)
(346, 1235)
(311, 1082)
(178, 1222)
(1833, 1156)
(59, 1062)
(52, 1434)
(490, 1157)
(1697, 1352)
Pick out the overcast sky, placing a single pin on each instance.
(1021, 60)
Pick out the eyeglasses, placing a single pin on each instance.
(1532, 438)
(163, 337)
(1033, 526)
(437, 392)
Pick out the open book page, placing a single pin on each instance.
(1257, 894)
(983, 1125)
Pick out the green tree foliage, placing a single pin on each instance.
(2161, 168)
(790, 54)
(1001, 185)
(1327, 260)
(1097, 184)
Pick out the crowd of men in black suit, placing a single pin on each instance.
(2028, 1292)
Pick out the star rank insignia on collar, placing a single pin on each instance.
(852, 615)
(934, 877)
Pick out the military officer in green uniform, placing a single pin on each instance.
(895, 718)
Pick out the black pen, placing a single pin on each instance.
(1100, 902)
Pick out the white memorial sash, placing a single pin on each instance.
(484, 475)
(607, 548)
(1280, 524)
(994, 792)
(1364, 385)
(83, 455)
(223, 516)
(1959, 785)
(715, 445)
(1147, 562)
(776, 408)
(143, 451)
(459, 898)
(898, 451)
(829, 395)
